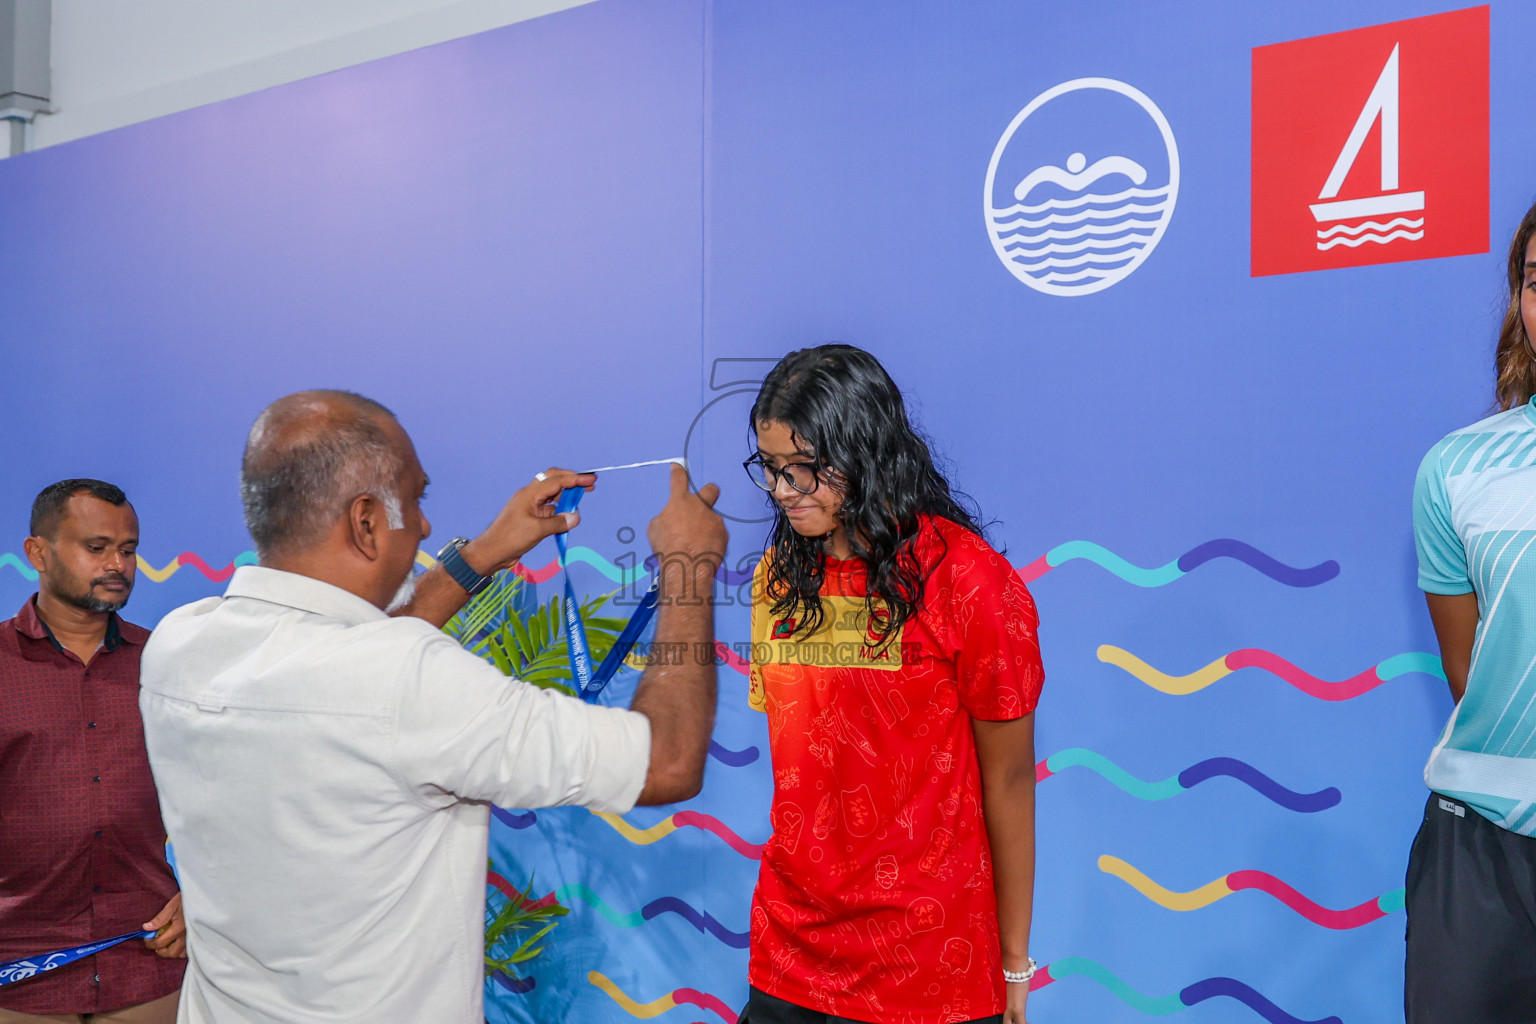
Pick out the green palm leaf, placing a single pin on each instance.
(528, 645)
(510, 918)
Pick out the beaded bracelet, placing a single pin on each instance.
(1021, 977)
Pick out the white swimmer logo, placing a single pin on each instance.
(1078, 229)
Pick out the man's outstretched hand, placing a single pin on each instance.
(688, 525)
(678, 695)
(527, 518)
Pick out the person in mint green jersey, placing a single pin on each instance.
(1471, 886)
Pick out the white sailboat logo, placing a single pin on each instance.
(1353, 222)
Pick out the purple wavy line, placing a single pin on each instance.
(1306, 803)
(703, 922)
(1210, 988)
(1195, 557)
(733, 758)
(514, 819)
(1256, 559)
(519, 986)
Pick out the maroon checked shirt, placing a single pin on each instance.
(82, 850)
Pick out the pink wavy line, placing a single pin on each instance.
(1354, 917)
(1322, 689)
(752, 851)
(190, 558)
(705, 1001)
(1034, 570)
(537, 575)
(509, 890)
(731, 658)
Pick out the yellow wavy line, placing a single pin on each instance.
(423, 559)
(660, 830)
(654, 1008)
(1176, 685)
(1192, 900)
(158, 575)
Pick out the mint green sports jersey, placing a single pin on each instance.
(1474, 524)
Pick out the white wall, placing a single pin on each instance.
(116, 63)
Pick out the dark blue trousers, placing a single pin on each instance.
(1471, 900)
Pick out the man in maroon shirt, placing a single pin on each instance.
(82, 849)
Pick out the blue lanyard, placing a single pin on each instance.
(21, 970)
(590, 682)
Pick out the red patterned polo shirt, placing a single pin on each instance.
(875, 897)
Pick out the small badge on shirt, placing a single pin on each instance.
(846, 638)
(1456, 809)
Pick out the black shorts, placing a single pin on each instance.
(763, 1008)
(1471, 899)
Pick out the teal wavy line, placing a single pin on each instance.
(1081, 757)
(595, 901)
(1107, 559)
(623, 577)
(1392, 902)
(1155, 1006)
(1414, 661)
(27, 572)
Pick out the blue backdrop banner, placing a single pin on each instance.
(1181, 292)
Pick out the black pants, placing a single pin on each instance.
(763, 1008)
(1471, 920)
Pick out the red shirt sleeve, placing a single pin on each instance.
(992, 629)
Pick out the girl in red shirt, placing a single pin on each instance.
(895, 654)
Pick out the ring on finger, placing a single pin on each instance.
(541, 477)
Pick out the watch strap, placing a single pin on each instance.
(453, 562)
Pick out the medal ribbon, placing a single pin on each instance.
(590, 682)
(21, 970)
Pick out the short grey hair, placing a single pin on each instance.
(307, 457)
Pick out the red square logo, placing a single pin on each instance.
(1371, 146)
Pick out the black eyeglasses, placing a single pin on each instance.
(804, 477)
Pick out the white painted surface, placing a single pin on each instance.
(117, 63)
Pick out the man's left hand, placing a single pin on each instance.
(527, 518)
(170, 938)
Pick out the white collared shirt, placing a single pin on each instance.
(324, 774)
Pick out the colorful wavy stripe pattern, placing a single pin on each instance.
(192, 560)
(655, 833)
(1159, 1006)
(683, 819)
(1247, 774)
(703, 921)
(1237, 881)
(724, 655)
(625, 576)
(671, 1001)
(1162, 575)
(1322, 689)
(187, 559)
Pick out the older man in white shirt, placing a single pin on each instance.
(325, 769)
